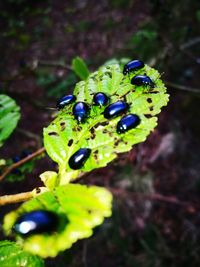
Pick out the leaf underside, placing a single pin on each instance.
(11, 255)
(9, 116)
(64, 136)
(80, 208)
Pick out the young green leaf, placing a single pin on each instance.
(11, 255)
(49, 178)
(79, 208)
(9, 116)
(64, 136)
(80, 68)
(2, 162)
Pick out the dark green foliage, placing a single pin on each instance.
(11, 255)
(9, 116)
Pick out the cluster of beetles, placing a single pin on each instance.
(81, 111)
(40, 221)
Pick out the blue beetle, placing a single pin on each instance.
(133, 66)
(37, 221)
(65, 100)
(127, 123)
(78, 159)
(115, 109)
(15, 159)
(80, 111)
(100, 99)
(142, 80)
(25, 153)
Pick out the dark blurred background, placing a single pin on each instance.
(156, 214)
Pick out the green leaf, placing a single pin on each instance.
(9, 116)
(80, 208)
(11, 255)
(49, 178)
(2, 162)
(80, 68)
(63, 137)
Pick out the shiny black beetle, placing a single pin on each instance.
(80, 111)
(115, 109)
(142, 80)
(65, 100)
(100, 99)
(133, 66)
(127, 123)
(78, 159)
(34, 222)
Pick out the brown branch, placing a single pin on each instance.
(54, 64)
(19, 163)
(168, 199)
(153, 196)
(11, 199)
(182, 87)
(190, 43)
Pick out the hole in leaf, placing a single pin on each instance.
(38, 190)
(70, 142)
(148, 116)
(95, 153)
(117, 143)
(149, 100)
(53, 134)
(101, 124)
(62, 125)
(92, 131)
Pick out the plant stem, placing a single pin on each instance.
(19, 163)
(11, 199)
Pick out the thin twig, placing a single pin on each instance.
(153, 196)
(190, 43)
(190, 55)
(19, 163)
(182, 87)
(11, 199)
(37, 63)
(54, 64)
